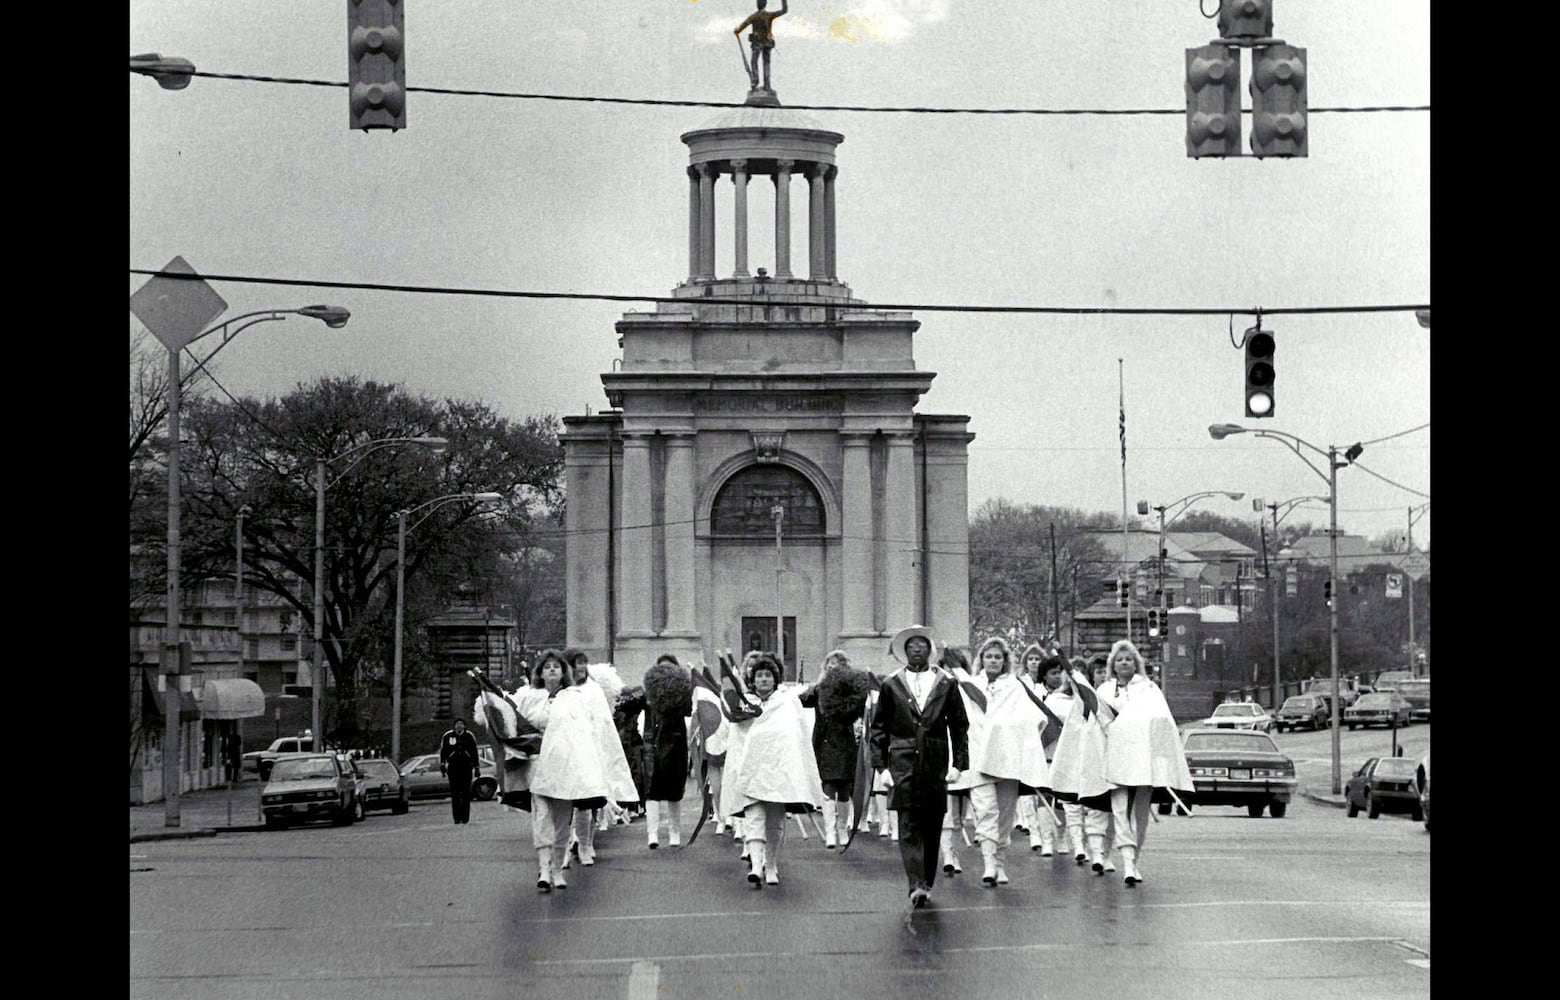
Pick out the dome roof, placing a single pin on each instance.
(755, 116)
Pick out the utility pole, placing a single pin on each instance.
(1056, 597)
(778, 513)
(1272, 597)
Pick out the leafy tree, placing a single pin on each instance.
(1011, 586)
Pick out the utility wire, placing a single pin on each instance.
(235, 401)
(1389, 437)
(663, 102)
(1407, 489)
(716, 301)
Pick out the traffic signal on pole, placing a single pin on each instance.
(1121, 591)
(1153, 622)
(1245, 18)
(1278, 101)
(1259, 373)
(1213, 101)
(1327, 592)
(376, 64)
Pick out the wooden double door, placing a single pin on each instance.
(759, 633)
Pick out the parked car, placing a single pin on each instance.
(1349, 690)
(423, 780)
(1384, 784)
(305, 786)
(1383, 708)
(383, 786)
(1417, 694)
(1239, 715)
(1237, 768)
(259, 761)
(1303, 710)
(1388, 680)
(1422, 774)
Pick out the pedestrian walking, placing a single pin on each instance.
(580, 764)
(770, 767)
(920, 734)
(666, 701)
(960, 812)
(1142, 753)
(1057, 695)
(459, 762)
(838, 697)
(233, 754)
(1027, 818)
(602, 681)
(1011, 760)
(1078, 773)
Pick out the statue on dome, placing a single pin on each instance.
(761, 39)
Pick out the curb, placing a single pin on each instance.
(193, 832)
(1322, 800)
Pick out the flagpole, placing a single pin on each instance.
(1125, 563)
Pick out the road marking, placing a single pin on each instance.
(644, 981)
(1085, 947)
(1419, 963)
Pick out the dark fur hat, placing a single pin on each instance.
(668, 689)
(953, 658)
(843, 691)
(764, 661)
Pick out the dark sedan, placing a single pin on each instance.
(383, 786)
(1417, 694)
(1383, 708)
(1238, 768)
(1384, 784)
(1309, 710)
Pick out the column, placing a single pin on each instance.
(693, 224)
(679, 513)
(739, 178)
(634, 567)
(707, 174)
(901, 535)
(828, 223)
(856, 542)
(815, 256)
(783, 217)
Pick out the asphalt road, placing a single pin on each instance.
(1312, 905)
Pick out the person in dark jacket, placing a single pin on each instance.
(625, 716)
(918, 729)
(458, 761)
(838, 698)
(667, 701)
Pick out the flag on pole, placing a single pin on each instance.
(1123, 401)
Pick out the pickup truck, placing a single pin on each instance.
(260, 761)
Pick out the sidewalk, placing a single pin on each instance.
(1322, 796)
(203, 813)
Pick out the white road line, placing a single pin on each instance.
(644, 981)
(1419, 963)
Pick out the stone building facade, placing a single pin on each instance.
(754, 405)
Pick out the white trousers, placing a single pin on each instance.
(1129, 812)
(995, 805)
(765, 822)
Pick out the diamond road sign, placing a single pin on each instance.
(176, 310)
(1416, 564)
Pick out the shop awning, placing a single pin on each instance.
(154, 702)
(231, 698)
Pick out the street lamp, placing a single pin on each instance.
(1221, 431)
(172, 73)
(1414, 514)
(400, 600)
(1287, 506)
(1180, 506)
(334, 316)
(362, 451)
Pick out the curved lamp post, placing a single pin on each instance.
(400, 600)
(1286, 506)
(1180, 507)
(361, 451)
(1221, 431)
(332, 316)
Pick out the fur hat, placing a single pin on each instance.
(764, 661)
(843, 691)
(999, 643)
(896, 645)
(668, 688)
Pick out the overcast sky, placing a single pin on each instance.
(267, 180)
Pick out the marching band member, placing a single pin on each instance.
(1058, 697)
(1078, 772)
(667, 701)
(1029, 818)
(972, 691)
(838, 697)
(1010, 757)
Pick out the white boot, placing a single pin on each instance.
(674, 824)
(1129, 866)
(586, 837)
(950, 856)
(653, 823)
(544, 869)
(988, 857)
(1097, 853)
(559, 880)
(1042, 836)
(755, 851)
(1080, 844)
(893, 825)
(569, 852)
(830, 815)
(845, 814)
(999, 851)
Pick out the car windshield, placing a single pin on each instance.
(1235, 710)
(377, 768)
(1395, 767)
(299, 770)
(1407, 688)
(1236, 742)
(1374, 701)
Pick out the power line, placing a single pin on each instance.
(665, 102)
(1399, 434)
(717, 301)
(1407, 489)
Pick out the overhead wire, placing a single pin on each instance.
(1406, 489)
(1399, 434)
(871, 109)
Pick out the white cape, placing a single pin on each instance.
(972, 776)
(582, 756)
(1078, 764)
(1142, 746)
(1011, 747)
(770, 758)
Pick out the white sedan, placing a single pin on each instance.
(1239, 715)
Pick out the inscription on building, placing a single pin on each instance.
(768, 404)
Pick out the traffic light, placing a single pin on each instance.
(1245, 18)
(1121, 591)
(1278, 101)
(1213, 101)
(376, 64)
(1259, 373)
(1327, 592)
(1153, 622)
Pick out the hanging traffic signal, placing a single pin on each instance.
(1122, 591)
(1259, 373)
(1245, 18)
(1153, 622)
(1213, 101)
(1327, 592)
(1278, 101)
(376, 64)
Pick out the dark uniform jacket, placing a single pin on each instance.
(458, 752)
(833, 740)
(915, 744)
(665, 748)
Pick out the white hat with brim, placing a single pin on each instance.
(896, 645)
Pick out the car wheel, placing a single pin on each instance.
(342, 816)
(1374, 810)
(1418, 815)
(402, 805)
(359, 812)
(1254, 810)
(1164, 808)
(1278, 809)
(273, 822)
(484, 789)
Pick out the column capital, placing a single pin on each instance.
(818, 170)
(831, 171)
(707, 169)
(738, 167)
(784, 166)
(693, 172)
